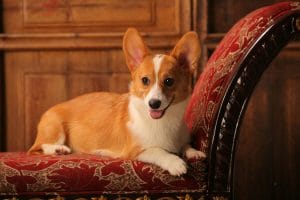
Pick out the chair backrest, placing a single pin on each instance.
(222, 91)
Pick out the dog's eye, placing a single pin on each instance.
(169, 82)
(145, 80)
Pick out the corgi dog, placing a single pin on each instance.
(146, 124)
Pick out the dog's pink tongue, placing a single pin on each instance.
(156, 114)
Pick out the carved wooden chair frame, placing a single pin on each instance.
(223, 142)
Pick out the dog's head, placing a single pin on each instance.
(161, 80)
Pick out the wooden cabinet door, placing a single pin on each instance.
(55, 50)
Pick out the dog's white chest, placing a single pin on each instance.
(169, 132)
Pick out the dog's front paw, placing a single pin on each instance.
(191, 153)
(175, 166)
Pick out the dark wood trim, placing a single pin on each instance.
(234, 103)
(12, 42)
(2, 105)
(2, 91)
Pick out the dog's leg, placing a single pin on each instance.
(189, 152)
(51, 136)
(170, 162)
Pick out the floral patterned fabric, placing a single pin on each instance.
(203, 107)
(21, 174)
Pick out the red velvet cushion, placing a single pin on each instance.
(88, 174)
(203, 107)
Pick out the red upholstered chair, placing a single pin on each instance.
(213, 115)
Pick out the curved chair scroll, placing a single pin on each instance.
(238, 93)
(224, 88)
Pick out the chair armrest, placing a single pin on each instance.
(221, 93)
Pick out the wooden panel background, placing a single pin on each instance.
(57, 24)
(66, 13)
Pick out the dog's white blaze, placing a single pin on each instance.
(156, 92)
(157, 63)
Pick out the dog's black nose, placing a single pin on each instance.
(154, 103)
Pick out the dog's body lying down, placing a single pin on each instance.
(145, 124)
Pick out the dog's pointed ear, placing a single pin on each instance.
(134, 48)
(187, 51)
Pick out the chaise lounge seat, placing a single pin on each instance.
(44, 175)
(214, 115)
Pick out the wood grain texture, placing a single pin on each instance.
(253, 149)
(58, 24)
(104, 16)
(87, 13)
(2, 106)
